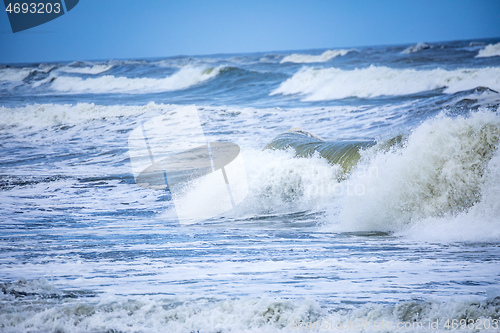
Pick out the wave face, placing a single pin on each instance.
(446, 172)
(184, 78)
(333, 83)
(304, 144)
(308, 58)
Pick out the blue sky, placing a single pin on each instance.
(129, 29)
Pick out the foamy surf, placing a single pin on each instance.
(281, 183)
(480, 223)
(33, 307)
(322, 84)
(442, 183)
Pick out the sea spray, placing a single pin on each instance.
(442, 170)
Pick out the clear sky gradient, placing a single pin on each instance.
(130, 29)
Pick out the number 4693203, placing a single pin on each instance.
(34, 8)
(478, 324)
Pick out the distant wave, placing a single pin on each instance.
(492, 50)
(96, 69)
(308, 58)
(416, 48)
(374, 81)
(14, 74)
(186, 77)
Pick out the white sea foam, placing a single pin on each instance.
(308, 58)
(443, 184)
(144, 314)
(416, 48)
(333, 83)
(96, 69)
(480, 223)
(492, 50)
(279, 182)
(48, 115)
(249, 314)
(186, 77)
(14, 74)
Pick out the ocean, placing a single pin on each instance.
(372, 202)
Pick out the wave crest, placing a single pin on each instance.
(308, 58)
(492, 50)
(17, 74)
(95, 69)
(186, 77)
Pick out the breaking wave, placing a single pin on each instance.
(332, 83)
(280, 183)
(492, 50)
(186, 77)
(308, 58)
(442, 183)
(15, 74)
